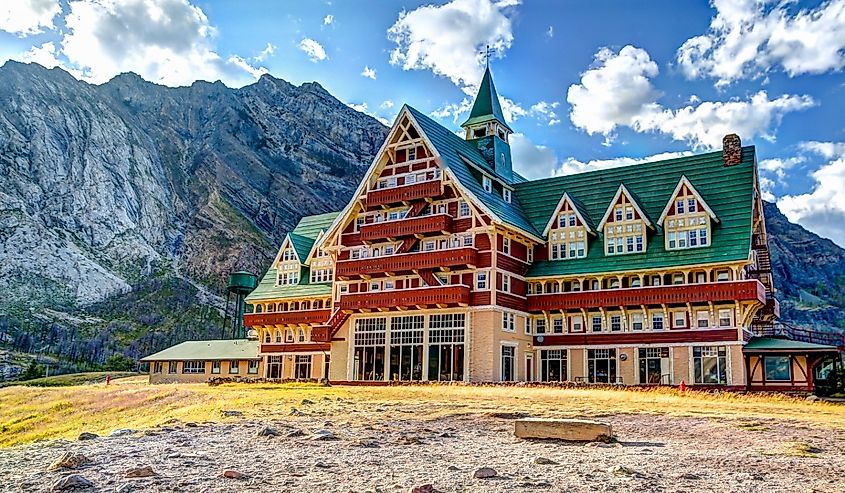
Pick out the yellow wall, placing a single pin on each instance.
(179, 377)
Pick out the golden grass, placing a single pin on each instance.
(31, 413)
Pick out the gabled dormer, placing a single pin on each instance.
(320, 263)
(287, 264)
(486, 128)
(567, 230)
(687, 219)
(624, 224)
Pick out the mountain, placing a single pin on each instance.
(111, 193)
(809, 273)
(124, 205)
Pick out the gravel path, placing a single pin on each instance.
(654, 453)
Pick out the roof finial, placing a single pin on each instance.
(487, 52)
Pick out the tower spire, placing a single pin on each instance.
(486, 106)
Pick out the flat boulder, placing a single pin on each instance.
(573, 430)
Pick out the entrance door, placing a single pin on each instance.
(274, 367)
(654, 366)
(529, 367)
(601, 365)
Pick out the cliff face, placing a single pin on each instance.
(104, 186)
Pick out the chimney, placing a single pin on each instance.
(731, 149)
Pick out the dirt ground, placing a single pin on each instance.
(397, 451)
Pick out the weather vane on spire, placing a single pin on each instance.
(487, 52)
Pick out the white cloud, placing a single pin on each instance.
(571, 165)
(387, 104)
(822, 210)
(748, 38)
(313, 49)
(266, 53)
(449, 39)
(779, 166)
(550, 33)
(369, 73)
(328, 20)
(28, 17)
(545, 110)
(44, 55)
(531, 160)
(164, 41)
(454, 110)
(364, 108)
(766, 186)
(617, 92)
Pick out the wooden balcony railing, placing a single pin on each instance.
(405, 193)
(746, 290)
(429, 296)
(285, 318)
(407, 262)
(406, 227)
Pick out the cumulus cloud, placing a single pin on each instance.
(550, 33)
(328, 20)
(44, 55)
(747, 38)
(450, 39)
(545, 110)
(822, 210)
(617, 92)
(369, 73)
(28, 17)
(571, 165)
(266, 53)
(387, 104)
(779, 166)
(313, 49)
(169, 42)
(364, 108)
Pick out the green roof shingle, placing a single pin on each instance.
(766, 344)
(729, 191)
(208, 350)
(486, 106)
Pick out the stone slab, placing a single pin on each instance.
(574, 430)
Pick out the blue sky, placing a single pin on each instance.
(586, 84)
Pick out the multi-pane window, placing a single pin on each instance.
(657, 321)
(506, 194)
(679, 320)
(637, 321)
(506, 283)
(506, 246)
(252, 366)
(508, 360)
(171, 367)
(288, 254)
(321, 275)
(624, 231)
(568, 237)
(702, 318)
(193, 367)
(557, 325)
(615, 323)
(689, 226)
(288, 278)
(577, 323)
(508, 322)
(527, 326)
(725, 317)
(481, 280)
(541, 325)
(215, 366)
(487, 184)
(234, 366)
(596, 325)
(710, 364)
(463, 209)
(157, 367)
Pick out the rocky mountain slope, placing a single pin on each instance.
(105, 188)
(123, 206)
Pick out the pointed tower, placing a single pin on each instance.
(486, 128)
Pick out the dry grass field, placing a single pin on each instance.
(390, 439)
(30, 413)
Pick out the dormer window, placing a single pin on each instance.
(687, 218)
(487, 183)
(567, 232)
(412, 154)
(506, 194)
(625, 225)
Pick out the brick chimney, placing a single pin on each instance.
(731, 149)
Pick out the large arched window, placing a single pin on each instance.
(271, 307)
(258, 308)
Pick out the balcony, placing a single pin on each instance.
(406, 227)
(287, 318)
(407, 262)
(407, 298)
(747, 290)
(405, 193)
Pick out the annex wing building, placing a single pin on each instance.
(447, 265)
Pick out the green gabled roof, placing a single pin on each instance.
(486, 106)
(729, 191)
(583, 211)
(454, 150)
(306, 231)
(777, 344)
(268, 290)
(208, 350)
